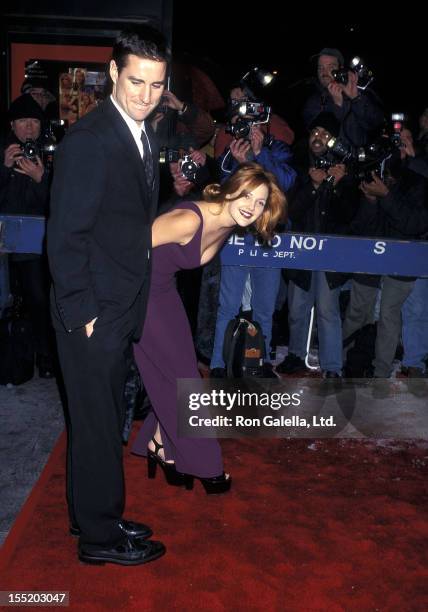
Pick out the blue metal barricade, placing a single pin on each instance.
(18, 234)
(26, 234)
(334, 253)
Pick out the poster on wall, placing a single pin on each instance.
(80, 90)
(69, 90)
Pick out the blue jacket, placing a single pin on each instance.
(273, 159)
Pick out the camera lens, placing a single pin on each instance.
(340, 76)
(241, 129)
(188, 168)
(30, 150)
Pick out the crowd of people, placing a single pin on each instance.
(121, 226)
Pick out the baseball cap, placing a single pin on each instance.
(331, 51)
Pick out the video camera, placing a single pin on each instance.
(249, 113)
(185, 162)
(357, 65)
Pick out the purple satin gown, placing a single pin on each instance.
(165, 353)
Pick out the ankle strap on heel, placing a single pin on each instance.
(158, 446)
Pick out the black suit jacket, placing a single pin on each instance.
(99, 230)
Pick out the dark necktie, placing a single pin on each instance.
(147, 160)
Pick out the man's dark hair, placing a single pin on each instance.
(142, 41)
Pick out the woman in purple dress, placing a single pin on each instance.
(188, 237)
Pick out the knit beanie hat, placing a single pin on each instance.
(25, 107)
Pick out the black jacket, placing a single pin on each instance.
(401, 215)
(99, 231)
(357, 118)
(19, 194)
(326, 210)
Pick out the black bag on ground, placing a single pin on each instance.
(243, 349)
(16, 351)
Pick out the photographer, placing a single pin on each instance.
(394, 206)
(323, 201)
(274, 155)
(415, 309)
(175, 118)
(24, 190)
(278, 128)
(192, 172)
(416, 153)
(358, 112)
(178, 126)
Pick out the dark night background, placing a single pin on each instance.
(228, 38)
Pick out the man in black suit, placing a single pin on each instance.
(104, 199)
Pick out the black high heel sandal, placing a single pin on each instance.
(213, 486)
(174, 478)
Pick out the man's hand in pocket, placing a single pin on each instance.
(89, 327)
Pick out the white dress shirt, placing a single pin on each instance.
(133, 126)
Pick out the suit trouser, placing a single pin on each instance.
(95, 371)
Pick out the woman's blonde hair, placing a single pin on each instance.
(247, 177)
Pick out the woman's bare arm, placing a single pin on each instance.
(177, 226)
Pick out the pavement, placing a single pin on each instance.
(31, 420)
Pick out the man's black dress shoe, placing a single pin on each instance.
(127, 552)
(129, 528)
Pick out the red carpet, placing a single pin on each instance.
(309, 525)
